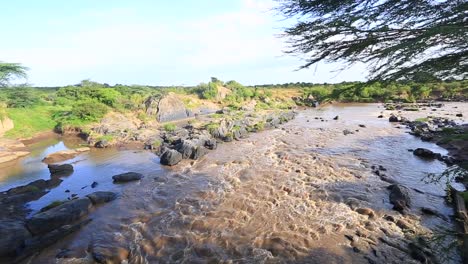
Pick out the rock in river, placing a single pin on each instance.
(64, 155)
(128, 176)
(101, 197)
(399, 197)
(12, 236)
(394, 118)
(60, 169)
(171, 157)
(56, 217)
(425, 153)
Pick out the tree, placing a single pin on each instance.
(9, 71)
(398, 39)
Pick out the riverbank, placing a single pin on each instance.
(314, 190)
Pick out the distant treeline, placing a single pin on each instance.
(379, 91)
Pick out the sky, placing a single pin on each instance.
(151, 42)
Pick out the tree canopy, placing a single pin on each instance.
(9, 71)
(398, 39)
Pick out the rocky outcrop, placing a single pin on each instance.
(169, 108)
(127, 177)
(192, 142)
(21, 237)
(58, 216)
(38, 243)
(170, 157)
(12, 236)
(13, 200)
(63, 155)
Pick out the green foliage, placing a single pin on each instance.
(9, 71)
(320, 93)
(169, 127)
(156, 143)
(89, 110)
(207, 91)
(22, 97)
(384, 91)
(399, 40)
(239, 93)
(212, 127)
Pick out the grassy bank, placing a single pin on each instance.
(30, 121)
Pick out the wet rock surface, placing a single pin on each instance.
(101, 197)
(127, 177)
(63, 169)
(58, 216)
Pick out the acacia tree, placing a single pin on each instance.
(9, 71)
(398, 39)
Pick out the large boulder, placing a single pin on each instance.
(199, 152)
(171, 157)
(63, 169)
(56, 217)
(12, 236)
(101, 197)
(186, 148)
(170, 108)
(128, 176)
(399, 197)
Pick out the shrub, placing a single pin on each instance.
(89, 110)
(22, 97)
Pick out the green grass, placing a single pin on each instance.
(107, 138)
(169, 127)
(453, 134)
(422, 119)
(30, 121)
(157, 143)
(212, 127)
(216, 115)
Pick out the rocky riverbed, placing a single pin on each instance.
(334, 185)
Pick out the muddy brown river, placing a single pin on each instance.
(287, 195)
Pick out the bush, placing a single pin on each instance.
(89, 110)
(22, 97)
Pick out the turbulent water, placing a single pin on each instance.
(281, 196)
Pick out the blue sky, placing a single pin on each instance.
(181, 42)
